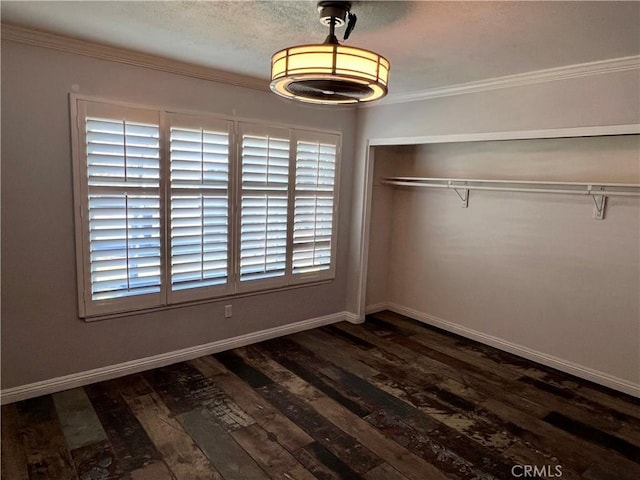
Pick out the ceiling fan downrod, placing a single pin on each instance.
(336, 14)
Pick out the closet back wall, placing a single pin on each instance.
(534, 271)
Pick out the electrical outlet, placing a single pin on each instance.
(227, 311)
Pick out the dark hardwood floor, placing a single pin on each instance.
(390, 399)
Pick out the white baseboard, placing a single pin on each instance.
(354, 318)
(79, 379)
(563, 365)
(376, 307)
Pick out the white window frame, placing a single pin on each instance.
(94, 310)
(261, 130)
(207, 123)
(113, 305)
(322, 137)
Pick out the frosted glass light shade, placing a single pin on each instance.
(329, 74)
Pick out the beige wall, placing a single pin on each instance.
(530, 270)
(42, 336)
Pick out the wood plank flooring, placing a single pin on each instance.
(391, 399)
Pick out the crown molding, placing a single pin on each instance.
(539, 76)
(63, 43)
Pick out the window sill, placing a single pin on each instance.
(130, 313)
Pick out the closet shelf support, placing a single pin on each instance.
(463, 196)
(600, 202)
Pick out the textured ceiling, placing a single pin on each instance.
(429, 44)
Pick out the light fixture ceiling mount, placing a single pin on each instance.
(330, 73)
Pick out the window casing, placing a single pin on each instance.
(174, 207)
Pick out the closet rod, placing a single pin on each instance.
(529, 182)
(589, 188)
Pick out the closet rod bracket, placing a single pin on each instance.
(463, 196)
(600, 201)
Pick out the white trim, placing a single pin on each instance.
(353, 318)
(563, 365)
(79, 379)
(78, 197)
(600, 67)
(587, 131)
(365, 227)
(376, 307)
(114, 54)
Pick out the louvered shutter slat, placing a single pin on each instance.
(263, 216)
(199, 208)
(122, 154)
(265, 163)
(313, 206)
(124, 224)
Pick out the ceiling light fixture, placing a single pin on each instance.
(330, 73)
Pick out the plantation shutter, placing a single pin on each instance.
(314, 201)
(199, 205)
(122, 211)
(172, 207)
(264, 203)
